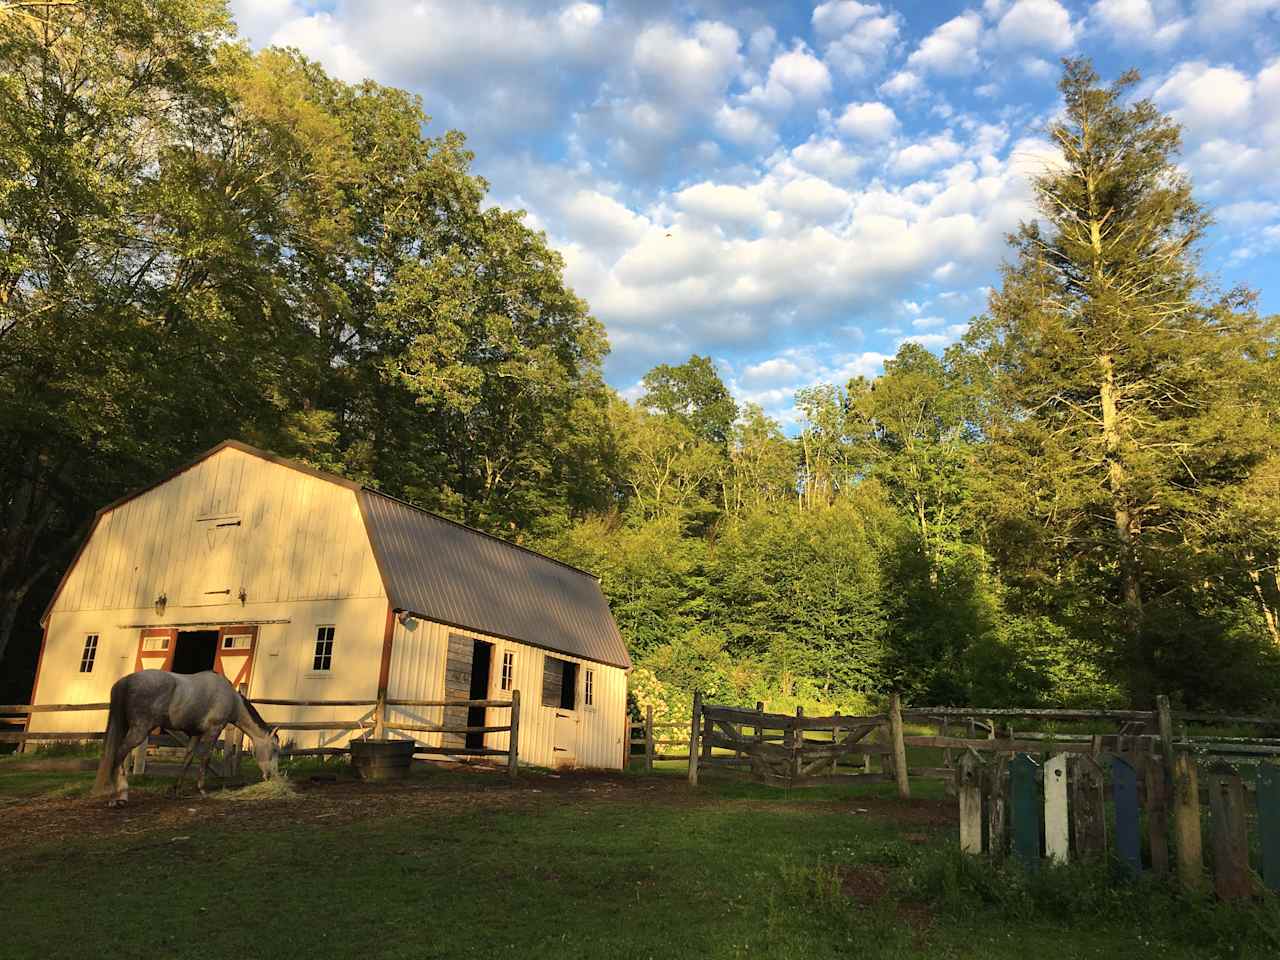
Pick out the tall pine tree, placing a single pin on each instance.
(1128, 391)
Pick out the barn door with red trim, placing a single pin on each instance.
(235, 655)
(155, 648)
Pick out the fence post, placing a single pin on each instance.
(1231, 879)
(969, 790)
(1164, 718)
(899, 748)
(1186, 821)
(648, 739)
(380, 716)
(693, 739)
(1269, 823)
(797, 745)
(1158, 814)
(513, 741)
(997, 807)
(1057, 832)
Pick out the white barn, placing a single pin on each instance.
(301, 585)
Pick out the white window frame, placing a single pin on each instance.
(588, 688)
(89, 653)
(155, 644)
(237, 641)
(507, 670)
(320, 673)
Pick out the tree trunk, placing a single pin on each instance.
(1127, 525)
(10, 604)
(1268, 611)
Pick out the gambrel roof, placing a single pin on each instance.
(441, 570)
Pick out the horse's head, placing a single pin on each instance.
(266, 750)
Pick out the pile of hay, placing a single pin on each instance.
(277, 788)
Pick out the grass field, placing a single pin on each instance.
(464, 864)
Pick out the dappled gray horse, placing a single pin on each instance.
(198, 704)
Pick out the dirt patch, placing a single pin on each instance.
(331, 801)
(868, 885)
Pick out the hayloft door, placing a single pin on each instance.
(235, 655)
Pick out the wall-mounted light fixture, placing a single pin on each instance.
(244, 595)
(406, 620)
(161, 602)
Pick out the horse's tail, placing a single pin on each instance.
(117, 724)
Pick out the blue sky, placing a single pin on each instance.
(796, 188)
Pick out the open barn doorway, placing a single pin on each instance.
(481, 661)
(196, 651)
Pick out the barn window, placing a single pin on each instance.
(323, 659)
(508, 668)
(589, 688)
(559, 683)
(236, 642)
(155, 643)
(90, 653)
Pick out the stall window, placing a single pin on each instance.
(559, 683)
(589, 688)
(508, 668)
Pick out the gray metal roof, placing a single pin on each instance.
(444, 571)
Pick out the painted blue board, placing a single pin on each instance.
(1269, 823)
(1026, 810)
(1124, 785)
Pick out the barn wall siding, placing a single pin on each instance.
(299, 538)
(417, 673)
(281, 667)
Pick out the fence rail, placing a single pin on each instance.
(375, 722)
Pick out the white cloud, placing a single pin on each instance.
(868, 121)
(796, 76)
(1207, 99)
(855, 38)
(926, 154)
(720, 203)
(1247, 212)
(827, 158)
(952, 48)
(742, 125)
(1042, 24)
(904, 83)
(1130, 23)
(694, 67)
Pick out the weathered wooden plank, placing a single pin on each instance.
(1057, 828)
(1186, 822)
(1269, 823)
(899, 747)
(49, 735)
(925, 713)
(52, 707)
(969, 791)
(314, 703)
(1025, 810)
(458, 751)
(1087, 810)
(438, 728)
(997, 804)
(648, 739)
(1231, 879)
(693, 738)
(444, 703)
(997, 746)
(1155, 784)
(1124, 783)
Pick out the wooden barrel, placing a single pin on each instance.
(381, 759)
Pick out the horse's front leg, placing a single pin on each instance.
(211, 740)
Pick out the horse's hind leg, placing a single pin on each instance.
(192, 745)
(132, 739)
(211, 740)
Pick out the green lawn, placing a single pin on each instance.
(465, 865)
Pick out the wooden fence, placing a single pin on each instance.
(374, 722)
(653, 739)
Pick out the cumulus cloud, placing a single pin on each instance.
(952, 48)
(855, 38)
(868, 121)
(1042, 24)
(795, 77)
(917, 157)
(1139, 22)
(904, 84)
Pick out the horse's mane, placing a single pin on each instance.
(252, 711)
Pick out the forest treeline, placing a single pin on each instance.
(1079, 503)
